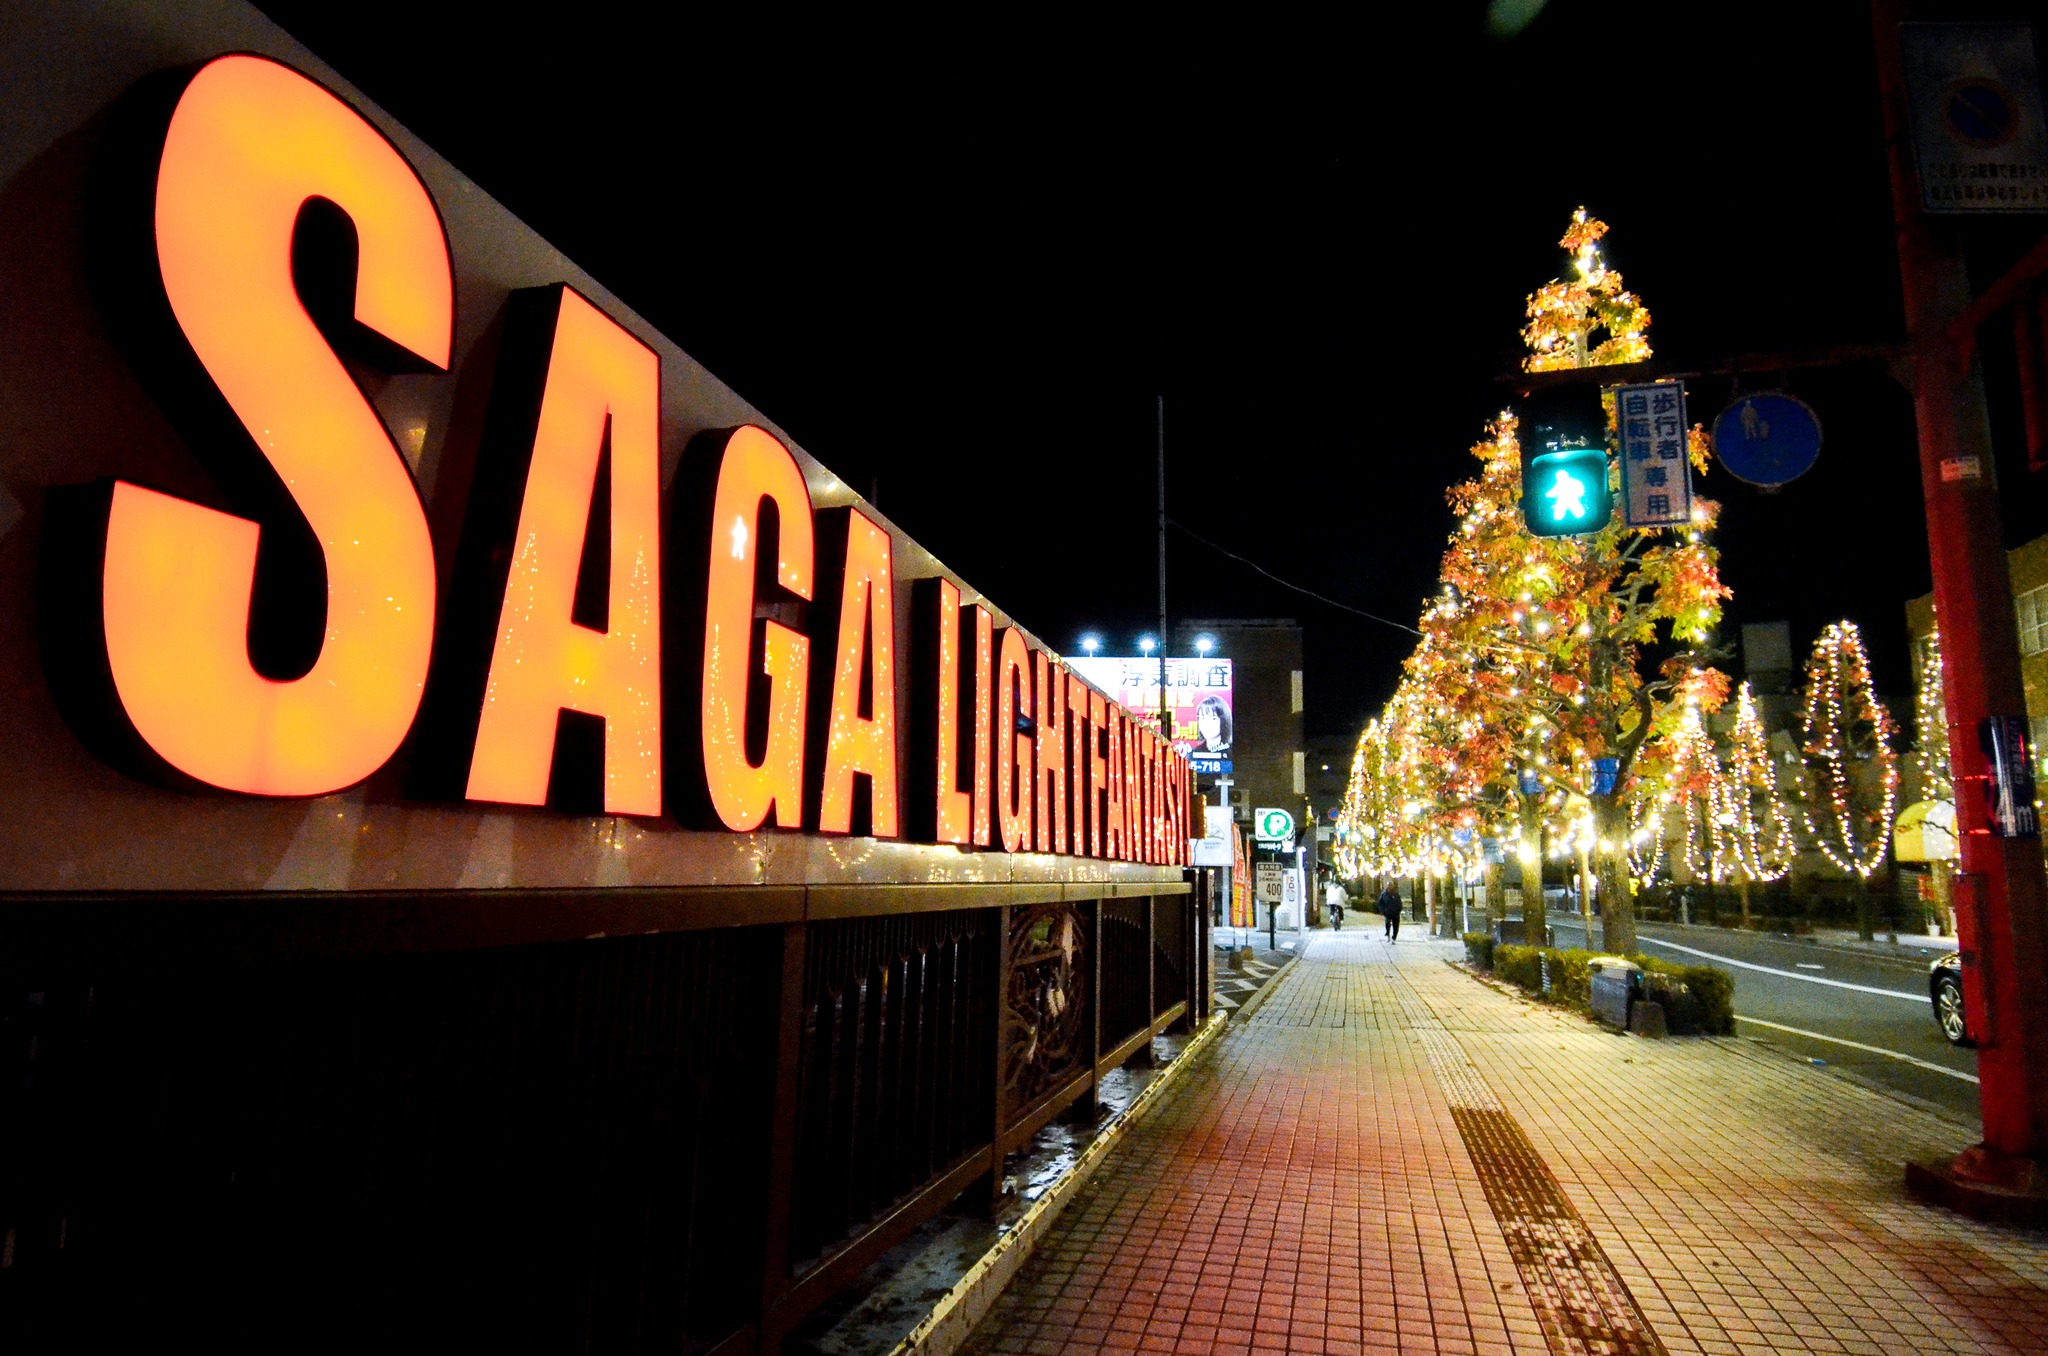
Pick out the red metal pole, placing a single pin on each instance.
(2003, 937)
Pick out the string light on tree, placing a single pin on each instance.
(1930, 727)
(1753, 804)
(1846, 740)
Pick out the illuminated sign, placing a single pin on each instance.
(282, 649)
(579, 621)
(1198, 701)
(733, 666)
(1565, 493)
(1273, 825)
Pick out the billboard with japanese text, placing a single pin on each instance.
(1197, 699)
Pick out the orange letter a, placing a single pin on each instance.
(579, 629)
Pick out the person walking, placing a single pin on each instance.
(1389, 906)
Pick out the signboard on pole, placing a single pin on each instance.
(1979, 140)
(1767, 438)
(2009, 790)
(1197, 700)
(1271, 826)
(1656, 480)
(1270, 882)
(1213, 847)
(1606, 772)
(1241, 915)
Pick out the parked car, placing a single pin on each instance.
(1945, 991)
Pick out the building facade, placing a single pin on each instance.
(1270, 767)
(2027, 564)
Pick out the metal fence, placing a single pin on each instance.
(683, 1141)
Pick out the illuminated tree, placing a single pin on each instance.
(1853, 775)
(1405, 810)
(1552, 631)
(1754, 807)
(1932, 778)
(1368, 819)
(1647, 802)
(1530, 666)
(1565, 314)
(1693, 780)
(1930, 727)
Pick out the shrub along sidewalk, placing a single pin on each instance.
(1698, 1000)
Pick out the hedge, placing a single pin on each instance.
(1479, 949)
(1697, 999)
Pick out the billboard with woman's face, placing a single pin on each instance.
(1197, 698)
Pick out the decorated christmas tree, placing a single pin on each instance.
(1932, 777)
(1532, 652)
(1754, 806)
(1693, 779)
(1851, 772)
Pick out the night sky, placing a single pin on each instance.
(958, 263)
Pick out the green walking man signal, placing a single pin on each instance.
(1565, 494)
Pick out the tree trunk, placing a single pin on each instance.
(1496, 894)
(1535, 928)
(1944, 906)
(1742, 887)
(1865, 925)
(1617, 905)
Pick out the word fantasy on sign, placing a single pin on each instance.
(1656, 486)
(733, 668)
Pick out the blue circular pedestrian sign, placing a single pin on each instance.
(1767, 438)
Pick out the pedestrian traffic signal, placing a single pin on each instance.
(1565, 494)
(1563, 433)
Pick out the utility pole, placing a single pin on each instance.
(1165, 715)
(2002, 903)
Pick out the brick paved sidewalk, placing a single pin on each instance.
(1391, 1156)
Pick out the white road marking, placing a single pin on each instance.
(1807, 965)
(1788, 974)
(1858, 1045)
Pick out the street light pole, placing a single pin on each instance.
(2002, 906)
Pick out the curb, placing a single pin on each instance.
(947, 1326)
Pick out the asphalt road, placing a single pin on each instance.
(1825, 996)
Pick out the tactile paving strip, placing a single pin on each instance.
(1579, 1298)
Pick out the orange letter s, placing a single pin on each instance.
(164, 644)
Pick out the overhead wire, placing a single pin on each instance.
(1324, 599)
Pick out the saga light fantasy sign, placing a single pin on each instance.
(732, 666)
